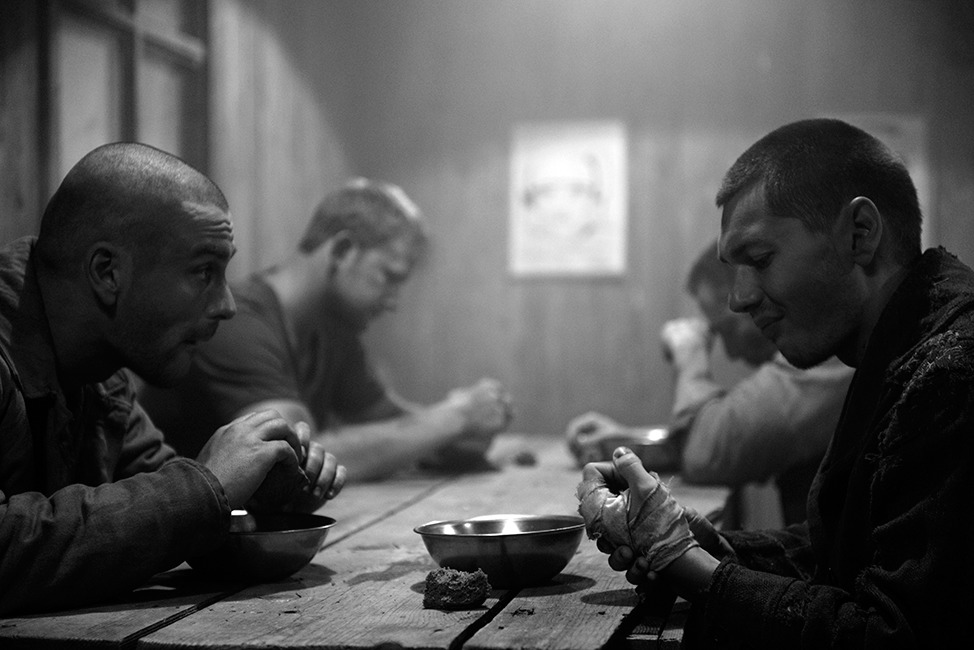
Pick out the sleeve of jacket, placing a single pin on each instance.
(83, 544)
(915, 588)
(144, 448)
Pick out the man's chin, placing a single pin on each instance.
(801, 358)
(167, 375)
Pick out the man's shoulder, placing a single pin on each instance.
(258, 319)
(950, 350)
(14, 261)
(255, 297)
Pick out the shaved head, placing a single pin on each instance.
(125, 193)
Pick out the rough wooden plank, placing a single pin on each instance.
(366, 589)
(173, 595)
(358, 599)
(672, 634)
(168, 597)
(363, 504)
(649, 622)
(362, 591)
(581, 609)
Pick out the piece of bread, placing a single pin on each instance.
(453, 589)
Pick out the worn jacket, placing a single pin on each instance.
(92, 501)
(885, 558)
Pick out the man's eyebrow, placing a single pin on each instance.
(741, 246)
(726, 251)
(215, 249)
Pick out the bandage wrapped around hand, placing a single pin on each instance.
(654, 528)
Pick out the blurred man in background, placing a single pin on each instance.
(127, 272)
(774, 424)
(295, 346)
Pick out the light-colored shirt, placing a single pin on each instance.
(777, 420)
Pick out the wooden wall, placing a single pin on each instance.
(426, 93)
(275, 149)
(442, 84)
(20, 164)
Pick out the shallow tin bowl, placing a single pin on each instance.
(265, 547)
(652, 445)
(513, 550)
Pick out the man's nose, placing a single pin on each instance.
(745, 293)
(223, 306)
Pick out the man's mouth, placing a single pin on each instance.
(766, 325)
(203, 336)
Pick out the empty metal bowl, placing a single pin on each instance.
(513, 550)
(265, 547)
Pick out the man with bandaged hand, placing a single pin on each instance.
(821, 226)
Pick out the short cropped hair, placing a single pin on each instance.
(371, 212)
(811, 168)
(708, 269)
(122, 192)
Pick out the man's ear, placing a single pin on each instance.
(867, 229)
(104, 272)
(341, 245)
(333, 252)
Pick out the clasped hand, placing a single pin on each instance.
(632, 517)
(260, 460)
(486, 407)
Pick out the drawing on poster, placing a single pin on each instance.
(568, 199)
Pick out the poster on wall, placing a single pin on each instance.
(568, 199)
(906, 135)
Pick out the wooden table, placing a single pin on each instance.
(364, 589)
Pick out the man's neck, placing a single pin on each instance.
(293, 285)
(81, 355)
(885, 287)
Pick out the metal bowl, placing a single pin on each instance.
(513, 550)
(265, 547)
(652, 445)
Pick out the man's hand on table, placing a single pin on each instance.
(589, 426)
(260, 457)
(485, 408)
(326, 477)
(624, 558)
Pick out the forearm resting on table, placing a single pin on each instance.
(373, 450)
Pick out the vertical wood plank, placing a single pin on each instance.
(20, 167)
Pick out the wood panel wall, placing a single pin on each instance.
(20, 162)
(443, 84)
(276, 148)
(426, 94)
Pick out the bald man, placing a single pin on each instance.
(128, 271)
